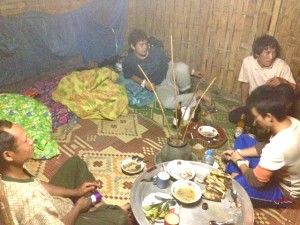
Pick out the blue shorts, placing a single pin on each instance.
(268, 197)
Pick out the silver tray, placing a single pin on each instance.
(193, 214)
(157, 158)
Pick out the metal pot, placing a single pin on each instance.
(175, 148)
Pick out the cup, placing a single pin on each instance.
(162, 180)
(186, 112)
(171, 219)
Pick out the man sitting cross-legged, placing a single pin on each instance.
(61, 201)
(158, 67)
(269, 172)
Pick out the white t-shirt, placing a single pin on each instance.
(252, 73)
(282, 155)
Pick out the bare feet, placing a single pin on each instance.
(127, 210)
(233, 175)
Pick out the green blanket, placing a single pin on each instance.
(35, 118)
(93, 94)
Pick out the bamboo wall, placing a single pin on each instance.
(215, 35)
(15, 7)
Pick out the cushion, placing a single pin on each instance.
(35, 118)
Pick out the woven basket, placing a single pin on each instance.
(196, 148)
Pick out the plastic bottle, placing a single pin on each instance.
(240, 126)
(208, 158)
(96, 197)
(177, 116)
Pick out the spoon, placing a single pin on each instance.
(234, 196)
(171, 201)
(227, 222)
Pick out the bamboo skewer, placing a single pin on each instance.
(160, 105)
(174, 88)
(192, 97)
(198, 102)
(196, 88)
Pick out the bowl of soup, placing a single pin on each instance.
(186, 191)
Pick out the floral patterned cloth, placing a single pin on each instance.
(93, 94)
(35, 118)
(44, 88)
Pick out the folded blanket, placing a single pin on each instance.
(93, 94)
(35, 118)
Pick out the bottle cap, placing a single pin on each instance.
(209, 152)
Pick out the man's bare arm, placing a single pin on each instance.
(139, 81)
(244, 92)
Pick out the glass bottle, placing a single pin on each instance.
(240, 126)
(197, 116)
(177, 116)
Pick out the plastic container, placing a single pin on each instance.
(209, 158)
(96, 197)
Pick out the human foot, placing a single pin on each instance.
(127, 208)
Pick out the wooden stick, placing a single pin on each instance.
(174, 87)
(160, 105)
(198, 102)
(192, 96)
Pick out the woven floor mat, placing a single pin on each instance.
(104, 144)
(220, 117)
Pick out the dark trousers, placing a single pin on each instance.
(73, 173)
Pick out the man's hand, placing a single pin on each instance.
(226, 155)
(149, 87)
(231, 155)
(86, 188)
(275, 81)
(197, 74)
(235, 156)
(83, 204)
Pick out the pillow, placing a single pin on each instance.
(35, 118)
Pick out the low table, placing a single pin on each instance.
(192, 133)
(191, 214)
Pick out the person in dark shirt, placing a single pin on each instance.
(156, 65)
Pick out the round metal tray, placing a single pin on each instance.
(157, 158)
(192, 214)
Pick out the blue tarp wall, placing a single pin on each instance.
(35, 42)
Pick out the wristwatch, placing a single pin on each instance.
(143, 83)
(240, 162)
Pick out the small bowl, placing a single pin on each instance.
(136, 166)
(198, 147)
(180, 187)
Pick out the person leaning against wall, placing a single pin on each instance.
(158, 68)
(269, 171)
(263, 67)
(64, 200)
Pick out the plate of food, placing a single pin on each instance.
(132, 166)
(208, 131)
(181, 170)
(186, 191)
(157, 205)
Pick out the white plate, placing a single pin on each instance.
(127, 161)
(181, 170)
(208, 131)
(150, 200)
(185, 185)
